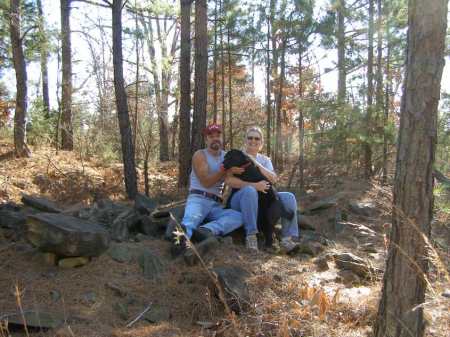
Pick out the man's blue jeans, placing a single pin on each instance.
(246, 201)
(220, 221)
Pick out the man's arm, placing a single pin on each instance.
(201, 168)
(235, 182)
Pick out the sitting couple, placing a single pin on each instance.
(204, 202)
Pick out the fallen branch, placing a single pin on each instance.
(138, 317)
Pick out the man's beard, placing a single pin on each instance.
(215, 145)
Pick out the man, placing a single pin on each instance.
(205, 193)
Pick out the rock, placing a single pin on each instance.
(144, 204)
(226, 240)
(348, 277)
(446, 293)
(369, 247)
(41, 203)
(363, 208)
(66, 235)
(320, 204)
(116, 289)
(12, 219)
(141, 237)
(354, 230)
(148, 227)
(33, 319)
(203, 248)
(55, 295)
(308, 235)
(234, 288)
(73, 262)
(170, 228)
(157, 314)
(121, 253)
(126, 222)
(322, 263)
(305, 222)
(103, 211)
(359, 266)
(151, 265)
(312, 248)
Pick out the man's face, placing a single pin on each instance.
(214, 141)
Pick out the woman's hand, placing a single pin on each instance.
(261, 186)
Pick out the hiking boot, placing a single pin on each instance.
(251, 242)
(202, 233)
(288, 246)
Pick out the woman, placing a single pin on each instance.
(246, 199)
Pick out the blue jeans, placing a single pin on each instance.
(199, 208)
(246, 201)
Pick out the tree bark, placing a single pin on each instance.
(366, 144)
(43, 46)
(342, 88)
(66, 93)
(215, 65)
(278, 140)
(400, 313)
(268, 91)
(21, 149)
(230, 93)
(201, 72)
(222, 75)
(122, 104)
(387, 96)
(184, 138)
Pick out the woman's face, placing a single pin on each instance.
(253, 141)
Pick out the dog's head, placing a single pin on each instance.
(234, 158)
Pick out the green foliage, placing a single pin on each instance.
(40, 129)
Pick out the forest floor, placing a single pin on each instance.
(290, 295)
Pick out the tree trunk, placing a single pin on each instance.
(268, 90)
(184, 138)
(301, 125)
(215, 65)
(222, 69)
(379, 73)
(400, 313)
(342, 89)
(387, 96)
(201, 72)
(121, 103)
(230, 94)
(43, 46)
(20, 68)
(278, 140)
(66, 93)
(366, 144)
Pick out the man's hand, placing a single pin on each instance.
(262, 186)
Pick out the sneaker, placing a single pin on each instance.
(251, 242)
(288, 246)
(202, 233)
(179, 244)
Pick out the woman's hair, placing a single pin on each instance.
(255, 129)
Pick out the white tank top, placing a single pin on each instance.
(214, 163)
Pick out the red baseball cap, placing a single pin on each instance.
(211, 128)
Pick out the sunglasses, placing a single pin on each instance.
(253, 138)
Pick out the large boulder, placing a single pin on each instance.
(125, 223)
(356, 264)
(66, 235)
(33, 319)
(40, 203)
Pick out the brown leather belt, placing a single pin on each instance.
(207, 195)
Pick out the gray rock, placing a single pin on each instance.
(121, 253)
(89, 297)
(356, 264)
(121, 309)
(151, 265)
(322, 263)
(358, 231)
(321, 204)
(233, 282)
(144, 204)
(117, 290)
(203, 248)
(141, 237)
(126, 222)
(308, 235)
(103, 211)
(40, 203)
(348, 277)
(363, 208)
(148, 227)
(12, 219)
(55, 295)
(66, 235)
(33, 319)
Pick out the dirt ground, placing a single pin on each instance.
(289, 295)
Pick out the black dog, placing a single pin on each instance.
(270, 208)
